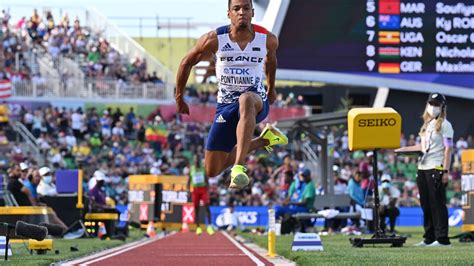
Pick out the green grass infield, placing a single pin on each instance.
(338, 251)
(86, 246)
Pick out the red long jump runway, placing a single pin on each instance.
(181, 249)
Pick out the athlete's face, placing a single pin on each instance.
(240, 13)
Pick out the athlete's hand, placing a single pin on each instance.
(271, 96)
(182, 107)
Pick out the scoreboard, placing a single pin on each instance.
(420, 40)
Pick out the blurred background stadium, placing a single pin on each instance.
(96, 86)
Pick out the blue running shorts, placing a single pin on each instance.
(222, 136)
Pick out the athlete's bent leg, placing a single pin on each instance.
(249, 105)
(255, 144)
(218, 161)
(215, 162)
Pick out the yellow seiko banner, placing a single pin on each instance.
(374, 128)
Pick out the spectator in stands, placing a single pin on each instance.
(154, 78)
(389, 196)
(97, 194)
(340, 188)
(118, 134)
(70, 139)
(155, 169)
(346, 171)
(65, 48)
(5, 18)
(49, 21)
(20, 193)
(28, 119)
(37, 123)
(340, 182)
(21, 23)
(355, 190)
(23, 172)
(301, 195)
(130, 121)
(32, 182)
(455, 196)
(300, 100)
(278, 174)
(77, 123)
(228, 220)
(24, 196)
(46, 186)
(461, 145)
(116, 117)
(95, 143)
(65, 21)
(93, 179)
(106, 125)
(356, 194)
(284, 188)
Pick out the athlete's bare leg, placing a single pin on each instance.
(218, 161)
(250, 104)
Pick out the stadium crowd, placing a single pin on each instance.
(120, 144)
(43, 35)
(87, 47)
(16, 61)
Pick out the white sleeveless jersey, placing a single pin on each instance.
(238, 70)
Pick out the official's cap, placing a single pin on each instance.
(437, 98)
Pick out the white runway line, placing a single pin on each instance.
(112, 252)
(244, 250)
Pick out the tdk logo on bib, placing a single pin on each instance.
(227, 47)
(236, 71)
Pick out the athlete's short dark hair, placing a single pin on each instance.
(230, 1)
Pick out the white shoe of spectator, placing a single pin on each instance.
(422, 244)
(437, 244)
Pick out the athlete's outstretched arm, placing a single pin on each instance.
(271, 66)
(206, 45)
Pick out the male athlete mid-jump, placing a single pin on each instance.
(244, 52)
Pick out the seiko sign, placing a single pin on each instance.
(382, 122)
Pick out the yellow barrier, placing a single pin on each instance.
(80, 176)
(26, 210)
(46, 244)
(271, 233)
(101, 216)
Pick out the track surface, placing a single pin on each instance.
(184, 249)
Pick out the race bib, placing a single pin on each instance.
(198, 178)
